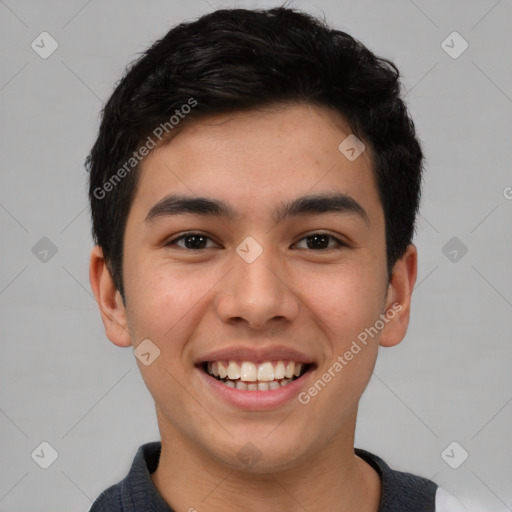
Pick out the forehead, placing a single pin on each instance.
(257, 159)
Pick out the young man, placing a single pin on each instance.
(253, 189)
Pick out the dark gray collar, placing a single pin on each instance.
(401, 492)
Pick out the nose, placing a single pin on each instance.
(258, 294)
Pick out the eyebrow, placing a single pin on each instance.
(178, 204)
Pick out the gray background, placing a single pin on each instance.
(64, 383)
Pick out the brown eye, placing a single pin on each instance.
(320, 241)
(190, 241)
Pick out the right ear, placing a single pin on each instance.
(110, 302)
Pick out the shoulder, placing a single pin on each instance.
(446, 502)
(109, 500)
(135, 491)
(401, 491)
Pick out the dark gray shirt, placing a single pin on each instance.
(401, 492)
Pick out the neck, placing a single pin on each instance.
(334, 478)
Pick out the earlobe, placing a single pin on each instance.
(398, 301)
(112, 309)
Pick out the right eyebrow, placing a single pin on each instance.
(176, 204)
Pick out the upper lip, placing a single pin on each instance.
(256, 355)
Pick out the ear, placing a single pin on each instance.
(398, 300)
(112, 309)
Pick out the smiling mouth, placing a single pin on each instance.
(249, 376)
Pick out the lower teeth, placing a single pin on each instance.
(256, 386)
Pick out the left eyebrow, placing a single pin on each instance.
(178, 204)
(319, 204)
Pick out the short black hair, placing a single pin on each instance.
(239, 59)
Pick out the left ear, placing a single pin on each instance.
(398, 300)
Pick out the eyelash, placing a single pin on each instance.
(339, 243)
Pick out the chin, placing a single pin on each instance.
(257, 455)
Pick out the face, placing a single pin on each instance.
(254, 282)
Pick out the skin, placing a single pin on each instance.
(315, 300)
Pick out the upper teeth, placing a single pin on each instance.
(251, 372)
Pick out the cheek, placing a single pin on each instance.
(346, 302)
(166, 302)
(164, 306)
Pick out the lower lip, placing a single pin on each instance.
(256, 400)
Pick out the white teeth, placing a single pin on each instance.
(266, 372)
(249, 376)
(248, 372)
(233, 370)
(279, 370)
(223, 370)
(290, 368)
